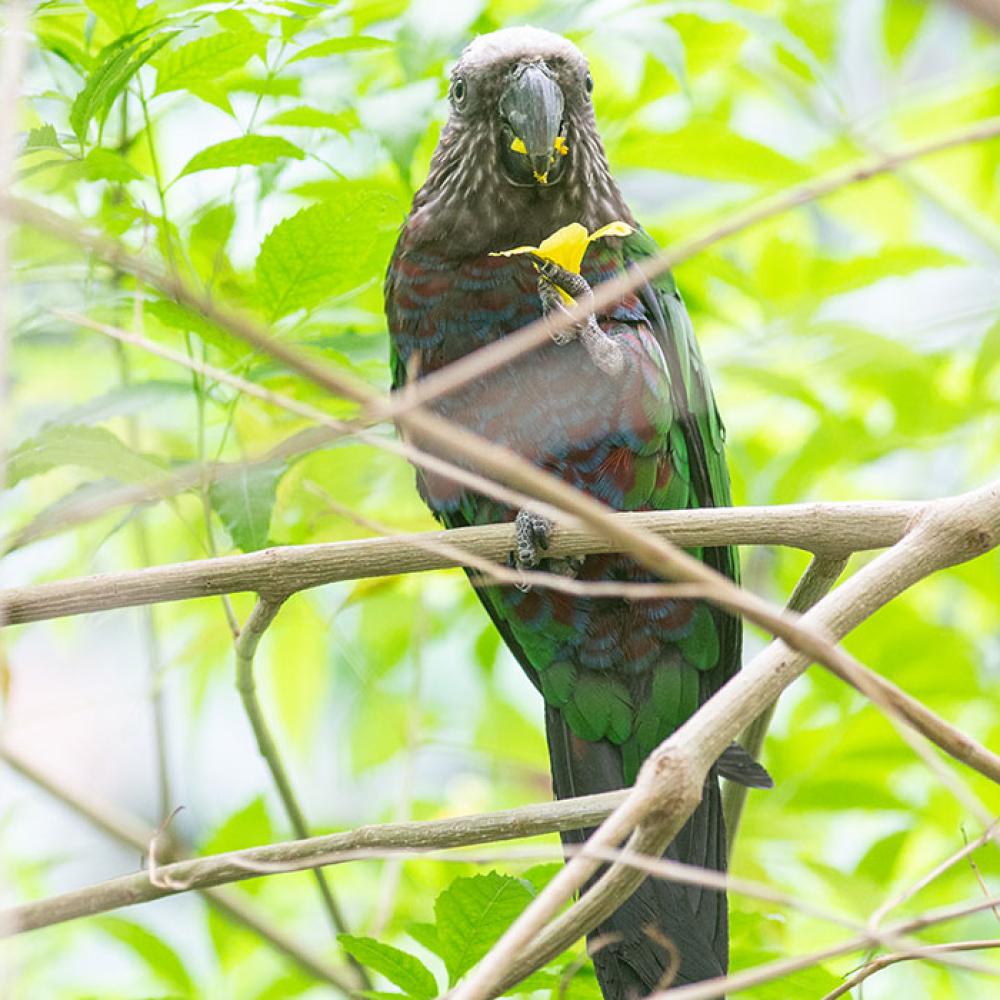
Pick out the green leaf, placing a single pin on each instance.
(306, 117)
(178, 317)
(400, 967)
(119, 62)
(337, 46)
(244, 500)
(93, 448)
(207, 59)
(43, 137)
(246, 827)
(246, 151)
(161, 959)
(426, 935)
(104, 165)
(123, 15)
(471, 915)
(126, 400)
(324, 250)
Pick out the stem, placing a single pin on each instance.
(248, 640)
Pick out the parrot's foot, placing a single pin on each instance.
(604, 350)
(553, 304)
(531, 533)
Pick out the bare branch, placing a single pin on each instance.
(929, 951)
(823, 528)
(247, 641)
(236, 866)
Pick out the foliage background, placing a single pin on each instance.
(269, 151)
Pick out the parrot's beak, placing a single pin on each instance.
(533, 142)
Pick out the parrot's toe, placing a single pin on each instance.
(531, 533)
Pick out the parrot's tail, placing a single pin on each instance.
(664, 931)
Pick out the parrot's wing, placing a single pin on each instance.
(696, 413)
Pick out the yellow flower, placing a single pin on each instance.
(567, 246)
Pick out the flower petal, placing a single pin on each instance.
(616, 228)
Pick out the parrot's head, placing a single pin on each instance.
(520, 155)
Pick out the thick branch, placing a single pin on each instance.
(830, 529)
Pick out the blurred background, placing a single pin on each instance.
(269, 150)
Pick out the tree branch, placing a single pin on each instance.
(236, 866)
(828, 529)
(929, 951)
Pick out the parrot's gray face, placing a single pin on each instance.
(520, 155)
(532, 99)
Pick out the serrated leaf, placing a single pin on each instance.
(246, 151)
(161, 959)
(92, 448)
(244, 501)
(471, 915)
(400, 967)
(338, 46)
(322, 251)
(207, 59)
(43, 137)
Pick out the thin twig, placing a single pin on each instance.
(928, 951)
(900, 898)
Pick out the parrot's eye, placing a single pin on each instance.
(589, 84)
(459, 92)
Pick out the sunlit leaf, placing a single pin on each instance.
(322, 251)
(338, 46)
(401, 968)
(207, 59)
(471, 915)
(246, 151)
(161, 959)
(244, 501)
(92, 448)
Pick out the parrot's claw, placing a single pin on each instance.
(603, 349)
(531, 533)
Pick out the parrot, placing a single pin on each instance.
(519, 217)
